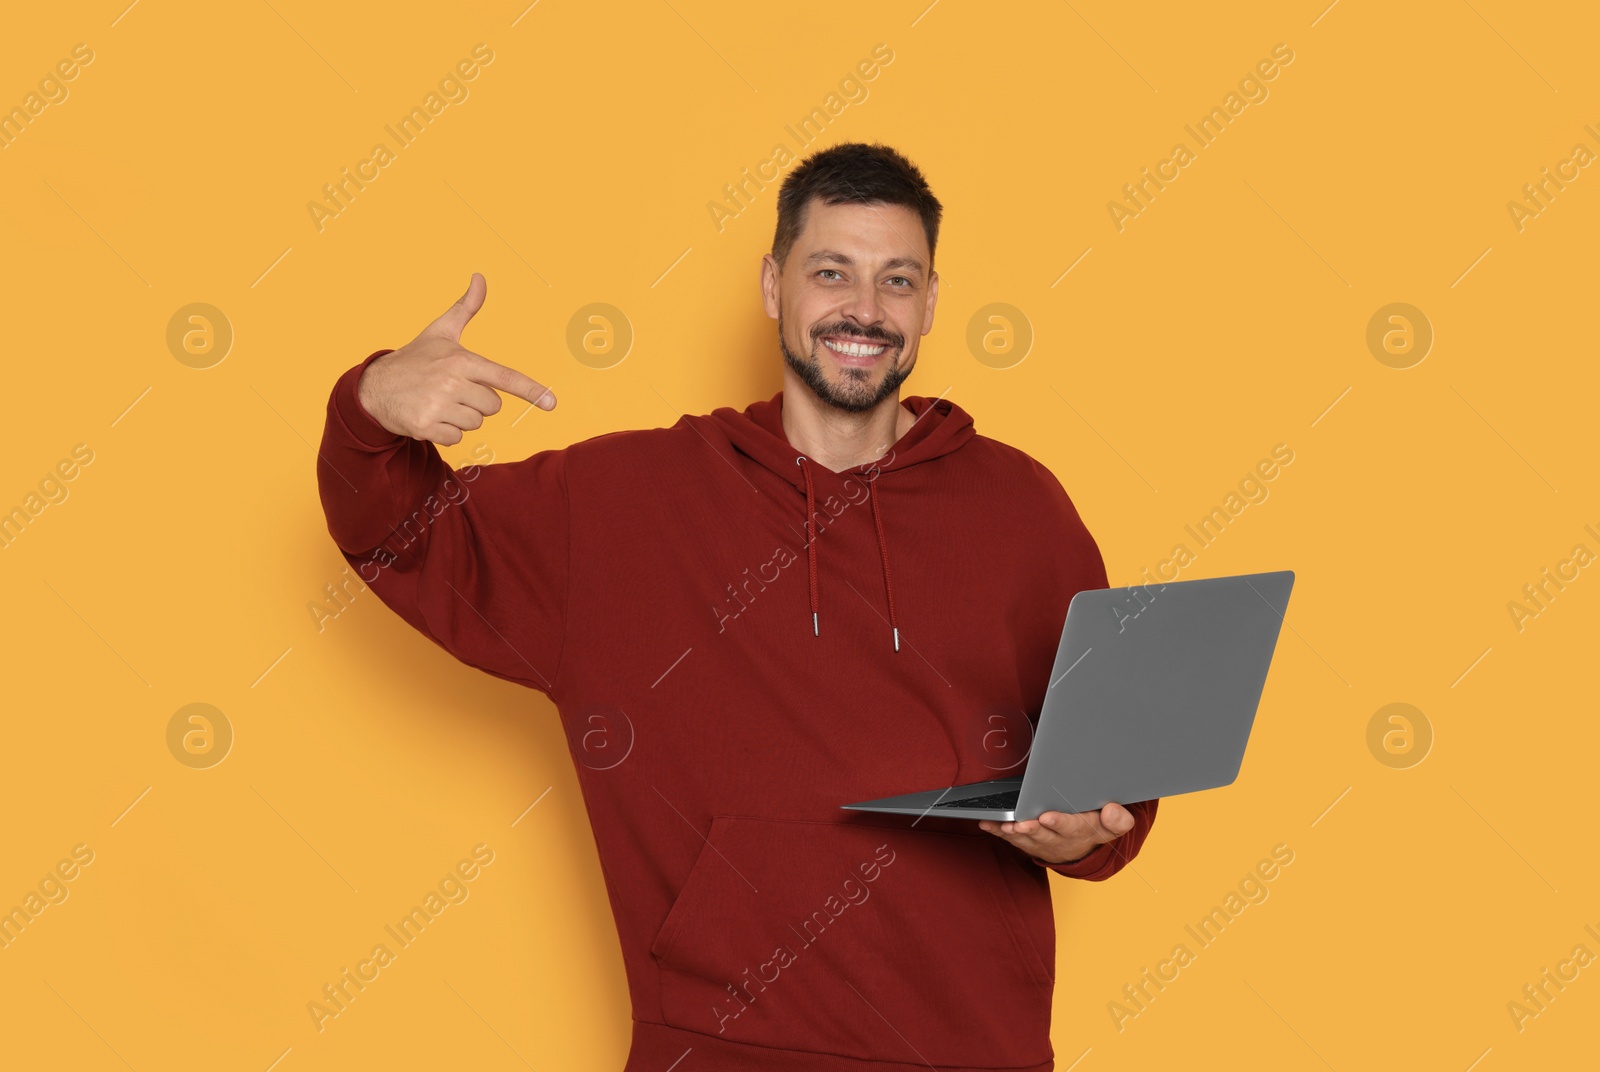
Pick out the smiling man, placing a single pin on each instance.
(749, 619)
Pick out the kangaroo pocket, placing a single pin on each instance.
(880, 943)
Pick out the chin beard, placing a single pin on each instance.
(856, 394)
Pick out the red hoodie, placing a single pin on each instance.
(739, 641)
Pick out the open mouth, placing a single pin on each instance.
(854, 350)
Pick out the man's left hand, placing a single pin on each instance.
(1058, 837)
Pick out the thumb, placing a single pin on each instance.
(454, 320)
(1115, 818)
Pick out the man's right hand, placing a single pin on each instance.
(433, 388)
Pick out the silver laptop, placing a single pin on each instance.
(1153, 694)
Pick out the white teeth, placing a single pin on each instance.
(853, 349)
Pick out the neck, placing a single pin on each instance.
(837, 439)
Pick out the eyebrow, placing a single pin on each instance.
(905, 263)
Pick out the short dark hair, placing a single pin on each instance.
(853, 173)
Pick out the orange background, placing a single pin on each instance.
(180, 565)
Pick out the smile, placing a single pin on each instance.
(854, 349)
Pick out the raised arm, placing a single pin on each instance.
(476, 559)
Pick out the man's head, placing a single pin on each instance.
(850, 277)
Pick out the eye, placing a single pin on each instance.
(835, 271)
(902, 279)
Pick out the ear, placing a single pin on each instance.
(933, 298)
(769, 285)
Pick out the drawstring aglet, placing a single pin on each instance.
(816, 629)
(897, 639)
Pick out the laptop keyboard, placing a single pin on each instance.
(1006, 801)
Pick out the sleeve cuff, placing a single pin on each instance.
(361, 426)
(1088, 867)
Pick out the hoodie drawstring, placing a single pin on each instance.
(811, 543)
(811, 552)
(883, 550)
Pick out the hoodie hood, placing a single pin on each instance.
(939, 427)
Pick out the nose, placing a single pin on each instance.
(864, 307)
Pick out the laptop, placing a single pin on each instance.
(1153, 693)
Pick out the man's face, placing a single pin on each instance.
(853, 299)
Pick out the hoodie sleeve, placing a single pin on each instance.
(1108, 859)
(1090, 572)
(476, 560)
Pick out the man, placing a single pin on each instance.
(751, 618)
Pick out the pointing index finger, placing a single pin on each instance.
(507, 379)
